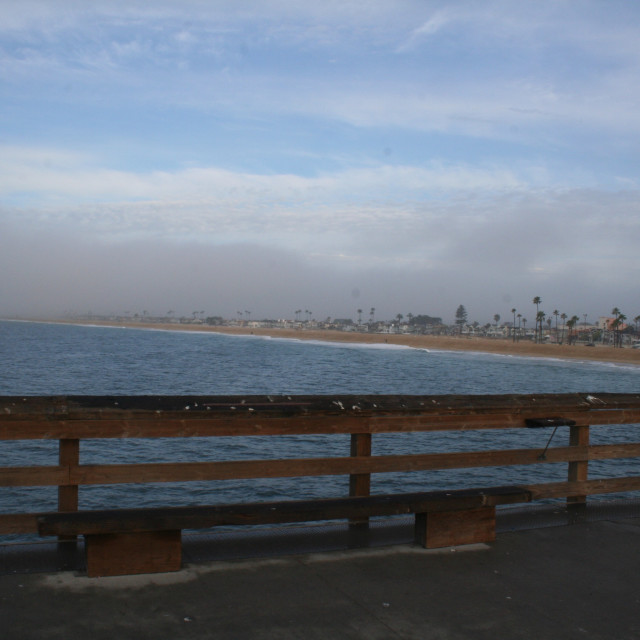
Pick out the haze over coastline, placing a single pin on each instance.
(409, 156)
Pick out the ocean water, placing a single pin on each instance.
(39, 358)
(54, 359)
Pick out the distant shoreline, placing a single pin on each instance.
(501, 346)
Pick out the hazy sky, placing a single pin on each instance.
(271, 156)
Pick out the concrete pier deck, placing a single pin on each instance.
(567, 581)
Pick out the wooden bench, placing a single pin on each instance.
(131, 541)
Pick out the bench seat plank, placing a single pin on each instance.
(200, 517)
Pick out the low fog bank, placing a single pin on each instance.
(45, 275)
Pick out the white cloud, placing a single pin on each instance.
(51, 175)
(480, 220)
(567, 78)
(434, 24)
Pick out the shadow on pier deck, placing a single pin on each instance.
(541, 578)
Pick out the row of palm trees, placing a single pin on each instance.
(567, 323)
(617, 325)
(372, 314)
(307, 315)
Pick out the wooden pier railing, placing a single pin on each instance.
(72, 419)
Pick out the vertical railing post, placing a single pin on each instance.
(360, 483)
(579, 470)
(68, 456)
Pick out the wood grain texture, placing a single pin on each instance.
(451, 528)
(199, 517)
(70, 417)
(133, 553)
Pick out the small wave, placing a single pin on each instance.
(325, 343)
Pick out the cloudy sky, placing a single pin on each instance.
(271, 156)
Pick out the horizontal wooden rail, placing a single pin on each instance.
(296, 467)
(34, 476)
(77, 417)
(586, 487)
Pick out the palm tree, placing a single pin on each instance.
(563, 317)
(616, 325)
(540, 316)
(576, 324)
(519, 319)
(537, 301)
(619, 323)
(359, 316)
(622, 318)
(556, 313)
(514, 323)
(571, 323)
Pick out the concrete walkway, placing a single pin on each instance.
(573, 581)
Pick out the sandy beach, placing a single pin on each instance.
(445, 343)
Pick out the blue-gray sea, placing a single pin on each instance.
(55, 359)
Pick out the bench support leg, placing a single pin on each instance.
(116, 554)
(449, 528)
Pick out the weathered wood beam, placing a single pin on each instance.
(588, 487)
(42, 428)
(198, 517)
(34, 476)
(354, 465)
(579, 469)
(11, 523)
